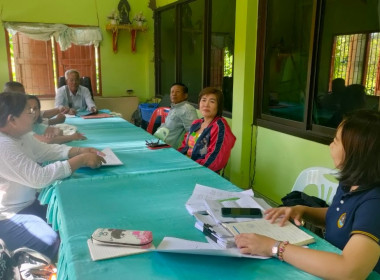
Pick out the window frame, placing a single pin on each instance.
(305, 129)
(207, 32)
(56, 62)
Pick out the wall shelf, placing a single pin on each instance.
(114, 29)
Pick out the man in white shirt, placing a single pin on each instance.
(73, 95)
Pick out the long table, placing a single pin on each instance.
(147, 193)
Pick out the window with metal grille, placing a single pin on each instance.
(317, 61)
(355, 58)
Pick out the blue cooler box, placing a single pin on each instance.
(147, 110)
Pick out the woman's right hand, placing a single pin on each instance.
(77, 136)
(60, 118)
(92, 160)
(285, 213)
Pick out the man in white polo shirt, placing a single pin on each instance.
(73, 95)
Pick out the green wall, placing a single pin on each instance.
(120, 71)
(281, 157)
(278, 158)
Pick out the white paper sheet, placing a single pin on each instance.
(183, 246)
(261, 226)
(111, 158)
(200, 193)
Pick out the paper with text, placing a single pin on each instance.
(287, 232)
(183, 246)
(111, 158)
(200, 193)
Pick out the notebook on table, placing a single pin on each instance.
(288, 232)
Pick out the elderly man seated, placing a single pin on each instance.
(179, 119)
(73, 95)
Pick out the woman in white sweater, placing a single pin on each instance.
(22, 218)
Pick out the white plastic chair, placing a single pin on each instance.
(320, 177)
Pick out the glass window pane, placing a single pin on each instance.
(168, 46)
(222, 48)
(348, 77)
(288, 31)
(192, 15)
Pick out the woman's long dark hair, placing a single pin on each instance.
(361, 143)
(11, 103)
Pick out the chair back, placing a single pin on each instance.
(159, 112)
(321, 178)
(84, 81)
(61, 81)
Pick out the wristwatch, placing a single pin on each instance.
(275, 249)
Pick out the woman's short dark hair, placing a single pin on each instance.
(219, 97)
(13, 86)
(361, 142)
(11, 103)
(33, 97)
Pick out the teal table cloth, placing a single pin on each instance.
(155, 202)
(128, 143)
(148, 192)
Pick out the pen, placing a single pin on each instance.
(236, 229)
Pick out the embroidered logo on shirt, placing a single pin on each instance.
(341, 220)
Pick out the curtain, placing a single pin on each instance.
(64, 35)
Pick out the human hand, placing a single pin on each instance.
(93, 151)
(255, 244)
(60, 118)
(58, 131)
(295, 213)
(50, 132)
(93, 109)
(64, 109)
(92, 160)
(78, 136)
(72, 111)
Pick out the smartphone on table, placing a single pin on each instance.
(241, 212)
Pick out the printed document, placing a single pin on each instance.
(183, 246)
(287, 232)
(111, 158)
(200, 193)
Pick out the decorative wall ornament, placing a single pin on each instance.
(124, 10)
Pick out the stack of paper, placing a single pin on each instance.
(196, 202)
(287, 232)
(214, 208)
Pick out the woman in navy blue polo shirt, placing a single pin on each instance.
(352, 222)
